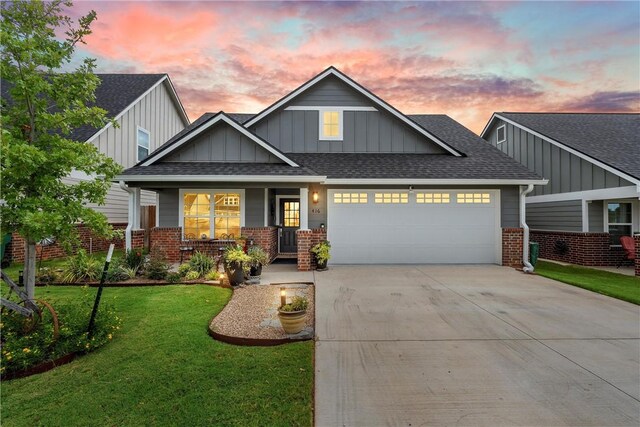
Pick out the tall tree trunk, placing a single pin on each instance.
(30, 268)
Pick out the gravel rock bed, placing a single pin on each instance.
(252, 312)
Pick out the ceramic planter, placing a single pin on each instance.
(235, 275)
(321, 266)
(256, 270)
(292, 321)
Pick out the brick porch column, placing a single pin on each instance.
(637, 240)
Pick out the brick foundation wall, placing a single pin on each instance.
(589, 249)
(306, 240)
(637, 240)
(265, 237)
(512, 247)
(169, 240)
(88, 241)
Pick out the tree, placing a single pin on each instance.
(45, 105)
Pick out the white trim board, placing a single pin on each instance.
(221, 116)
(562, 146)
(336, 108)
(335, 72)
(173, 93)
(219, 178)
(420, 181)
(602, 194)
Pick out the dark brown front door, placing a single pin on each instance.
(289, 222)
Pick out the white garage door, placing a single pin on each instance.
(418, 227)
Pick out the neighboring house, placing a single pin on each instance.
(148, 112)
(333, 160)
(592, 162)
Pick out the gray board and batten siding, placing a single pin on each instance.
(221, 143)
(168, 211)
(565, 171)
(563, 215)
(297, 131)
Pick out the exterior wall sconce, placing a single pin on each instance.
(322, 225)
(315, 197)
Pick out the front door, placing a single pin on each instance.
(289, 223)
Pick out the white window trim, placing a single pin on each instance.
(138, 129)
(634, 222)
(211, 191)
(500, 141)
(321, 136)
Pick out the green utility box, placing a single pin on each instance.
(534, 252)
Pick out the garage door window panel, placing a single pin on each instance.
(473, 198)
(391, 198)
(433, 198)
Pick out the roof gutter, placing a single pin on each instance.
(528, 268)
(127, 231)
(220, 178)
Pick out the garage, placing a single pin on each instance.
(414, 227)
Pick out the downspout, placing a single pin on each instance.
(127, 231)
(528, 268)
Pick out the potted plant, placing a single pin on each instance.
(293, 315)
(259, 259)
(321, 252)
(236, 264)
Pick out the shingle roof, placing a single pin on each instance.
(613, 139)
(218, 168)
(114, 94)
(482, 161)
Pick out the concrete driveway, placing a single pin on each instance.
(471, 345)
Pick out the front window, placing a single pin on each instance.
(143, 144)
(330, 125)
(619, 220)
(214, 214)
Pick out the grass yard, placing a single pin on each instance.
(163, 369)
(626, 288)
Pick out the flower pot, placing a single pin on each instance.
(256, 270)
(235, 275)
(292, 321)
(321, 266)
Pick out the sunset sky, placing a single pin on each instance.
(461, 59)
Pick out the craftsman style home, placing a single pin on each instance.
(592, 162)
(332, 160)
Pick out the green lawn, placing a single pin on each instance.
(615, 285)
(163, 369)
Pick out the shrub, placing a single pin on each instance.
(184, 269)
(174, 277)
(201, 263)
(157, 266)
(134, 259)
(22, 350)
(258, 256)
(192, 275)
(212, 275)
(234, 257)
(46, 275)
(296, 304)
(321, 250)
(81, 267)
(117, 271)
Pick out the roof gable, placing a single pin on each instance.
(608, 140)
(201, 126)
(363, 92)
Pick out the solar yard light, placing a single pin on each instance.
(283, 297)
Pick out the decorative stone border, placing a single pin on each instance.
(140, 284)
(259, 342)
(40, 368)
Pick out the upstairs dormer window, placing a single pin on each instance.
(144, 140)
(502, 134)
(330, 125)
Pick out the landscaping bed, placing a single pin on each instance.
(251, 316)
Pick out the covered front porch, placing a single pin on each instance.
(285, 219)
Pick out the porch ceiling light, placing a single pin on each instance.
(315, 197)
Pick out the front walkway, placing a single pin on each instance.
(471, 345)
